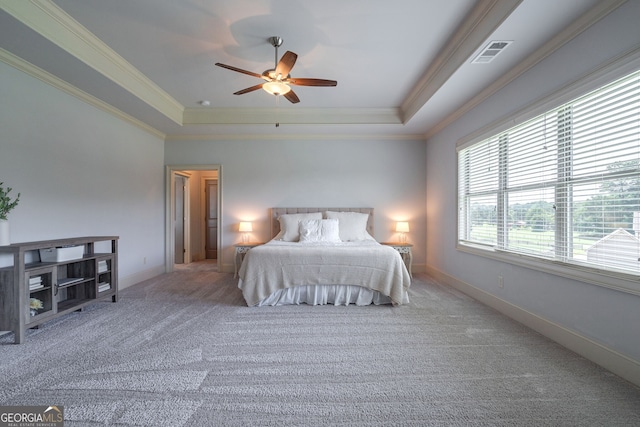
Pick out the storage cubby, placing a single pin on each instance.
(33, 291)
(76, 283)
(104, 266)
(41, 288)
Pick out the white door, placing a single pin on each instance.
(211, 220)
(179, 225)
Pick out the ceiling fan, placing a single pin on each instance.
(278, 79)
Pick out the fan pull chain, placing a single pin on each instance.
(277, 111)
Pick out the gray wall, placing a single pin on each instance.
(606, 316)
(81, 172)
(388, 175)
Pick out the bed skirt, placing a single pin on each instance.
(327, 294)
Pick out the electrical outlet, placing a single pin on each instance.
(500, 282)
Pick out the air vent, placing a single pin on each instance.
(492, 50)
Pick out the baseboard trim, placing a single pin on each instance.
(613, 361)
(126, 281)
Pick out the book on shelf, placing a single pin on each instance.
(102, 266)
(104, 286)
(36, 286)
(35, 280)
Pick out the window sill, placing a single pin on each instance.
(622, 282)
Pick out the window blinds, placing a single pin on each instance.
(563, 186)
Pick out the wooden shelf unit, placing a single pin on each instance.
(61, 287)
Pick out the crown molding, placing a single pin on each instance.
(595, 14)
(481, 22)
(291, 116)
(53, 23)
(295, 137)
(42, 75)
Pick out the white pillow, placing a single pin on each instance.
(319, 230)
(289, 231)
(353, 225)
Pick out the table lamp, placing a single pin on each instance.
(245, 228)
(402, 227)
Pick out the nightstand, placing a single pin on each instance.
(405, 253)
(241, 250)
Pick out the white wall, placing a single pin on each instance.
(605, 316)
(81, 172)
(388, 175)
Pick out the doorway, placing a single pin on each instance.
(193, 192)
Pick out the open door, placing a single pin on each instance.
(180, 219)
(211, 220)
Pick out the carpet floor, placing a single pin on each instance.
(183, 349)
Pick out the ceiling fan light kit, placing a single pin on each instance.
(276, 87)
(278, 81)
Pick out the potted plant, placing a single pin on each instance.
(6, 206)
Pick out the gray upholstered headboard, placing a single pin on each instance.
(276, 212)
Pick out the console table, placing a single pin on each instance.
(34, 290)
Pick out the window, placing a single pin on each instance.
(563, 186)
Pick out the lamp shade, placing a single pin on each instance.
(402, 227)
(245, 227)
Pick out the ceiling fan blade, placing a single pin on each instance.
(286, 64)
(312, 82)
(249, 89)
(292, 97)
(239, 70)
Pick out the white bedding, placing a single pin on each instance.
(271, 273)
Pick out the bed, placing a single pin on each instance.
(323, 256)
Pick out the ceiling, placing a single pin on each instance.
(403, 68)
